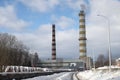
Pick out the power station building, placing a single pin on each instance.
(83, 62)
(74, 64)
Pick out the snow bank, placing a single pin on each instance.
(100, 74)
(107, 67)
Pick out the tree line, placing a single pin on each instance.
(103, 60)
(14, 52)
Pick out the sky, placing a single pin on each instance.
(31, 22)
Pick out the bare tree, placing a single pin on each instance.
(100, 61)
(35, 60)
(12, 51)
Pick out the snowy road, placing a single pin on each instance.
(75, 76)
(85, 75)
(97, 74)
(58, 76)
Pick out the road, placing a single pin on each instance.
(58, 76)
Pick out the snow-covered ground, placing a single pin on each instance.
(58, 76)
(86, 75)
(100, 74)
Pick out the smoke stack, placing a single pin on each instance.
(82, 34)
(53, 43)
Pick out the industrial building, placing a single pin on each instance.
(83, 62)
(75, 64)
(118, 62)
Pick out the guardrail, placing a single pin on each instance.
(21, 69)
(22, 72)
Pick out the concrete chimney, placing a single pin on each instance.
(82, 34)
(53, 43)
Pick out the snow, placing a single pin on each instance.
(107, 67)
(100, 74)
(118, 59)
(59, 76)
(86, 75)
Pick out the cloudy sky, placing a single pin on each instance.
(31, 20)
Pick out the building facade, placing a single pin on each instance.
(118, 62)
(75, 64)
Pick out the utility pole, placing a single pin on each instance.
(109, 44)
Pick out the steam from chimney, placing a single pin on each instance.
(83, 7)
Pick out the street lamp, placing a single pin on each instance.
(93, 59)
(109, 44)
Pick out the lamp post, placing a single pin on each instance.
(93, 59)
(109, 44)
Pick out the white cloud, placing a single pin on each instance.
(45, 29)
(67, 39)
(102, 8)
(40, 5)
(111, 10)
(75, 4)
(67, 44)
(9, 18)
(40, 41)
(47, 5)
(97, 26)
(36, 42)
(63, 22)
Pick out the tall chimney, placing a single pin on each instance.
(82, 34)
(53, 43)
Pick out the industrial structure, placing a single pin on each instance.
(53, 43)
(74, 64)
(82, 40)
(83, 62)
(82, 34)
(118, 62)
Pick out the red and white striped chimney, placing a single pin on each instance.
(82, 34)
(53, 43)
